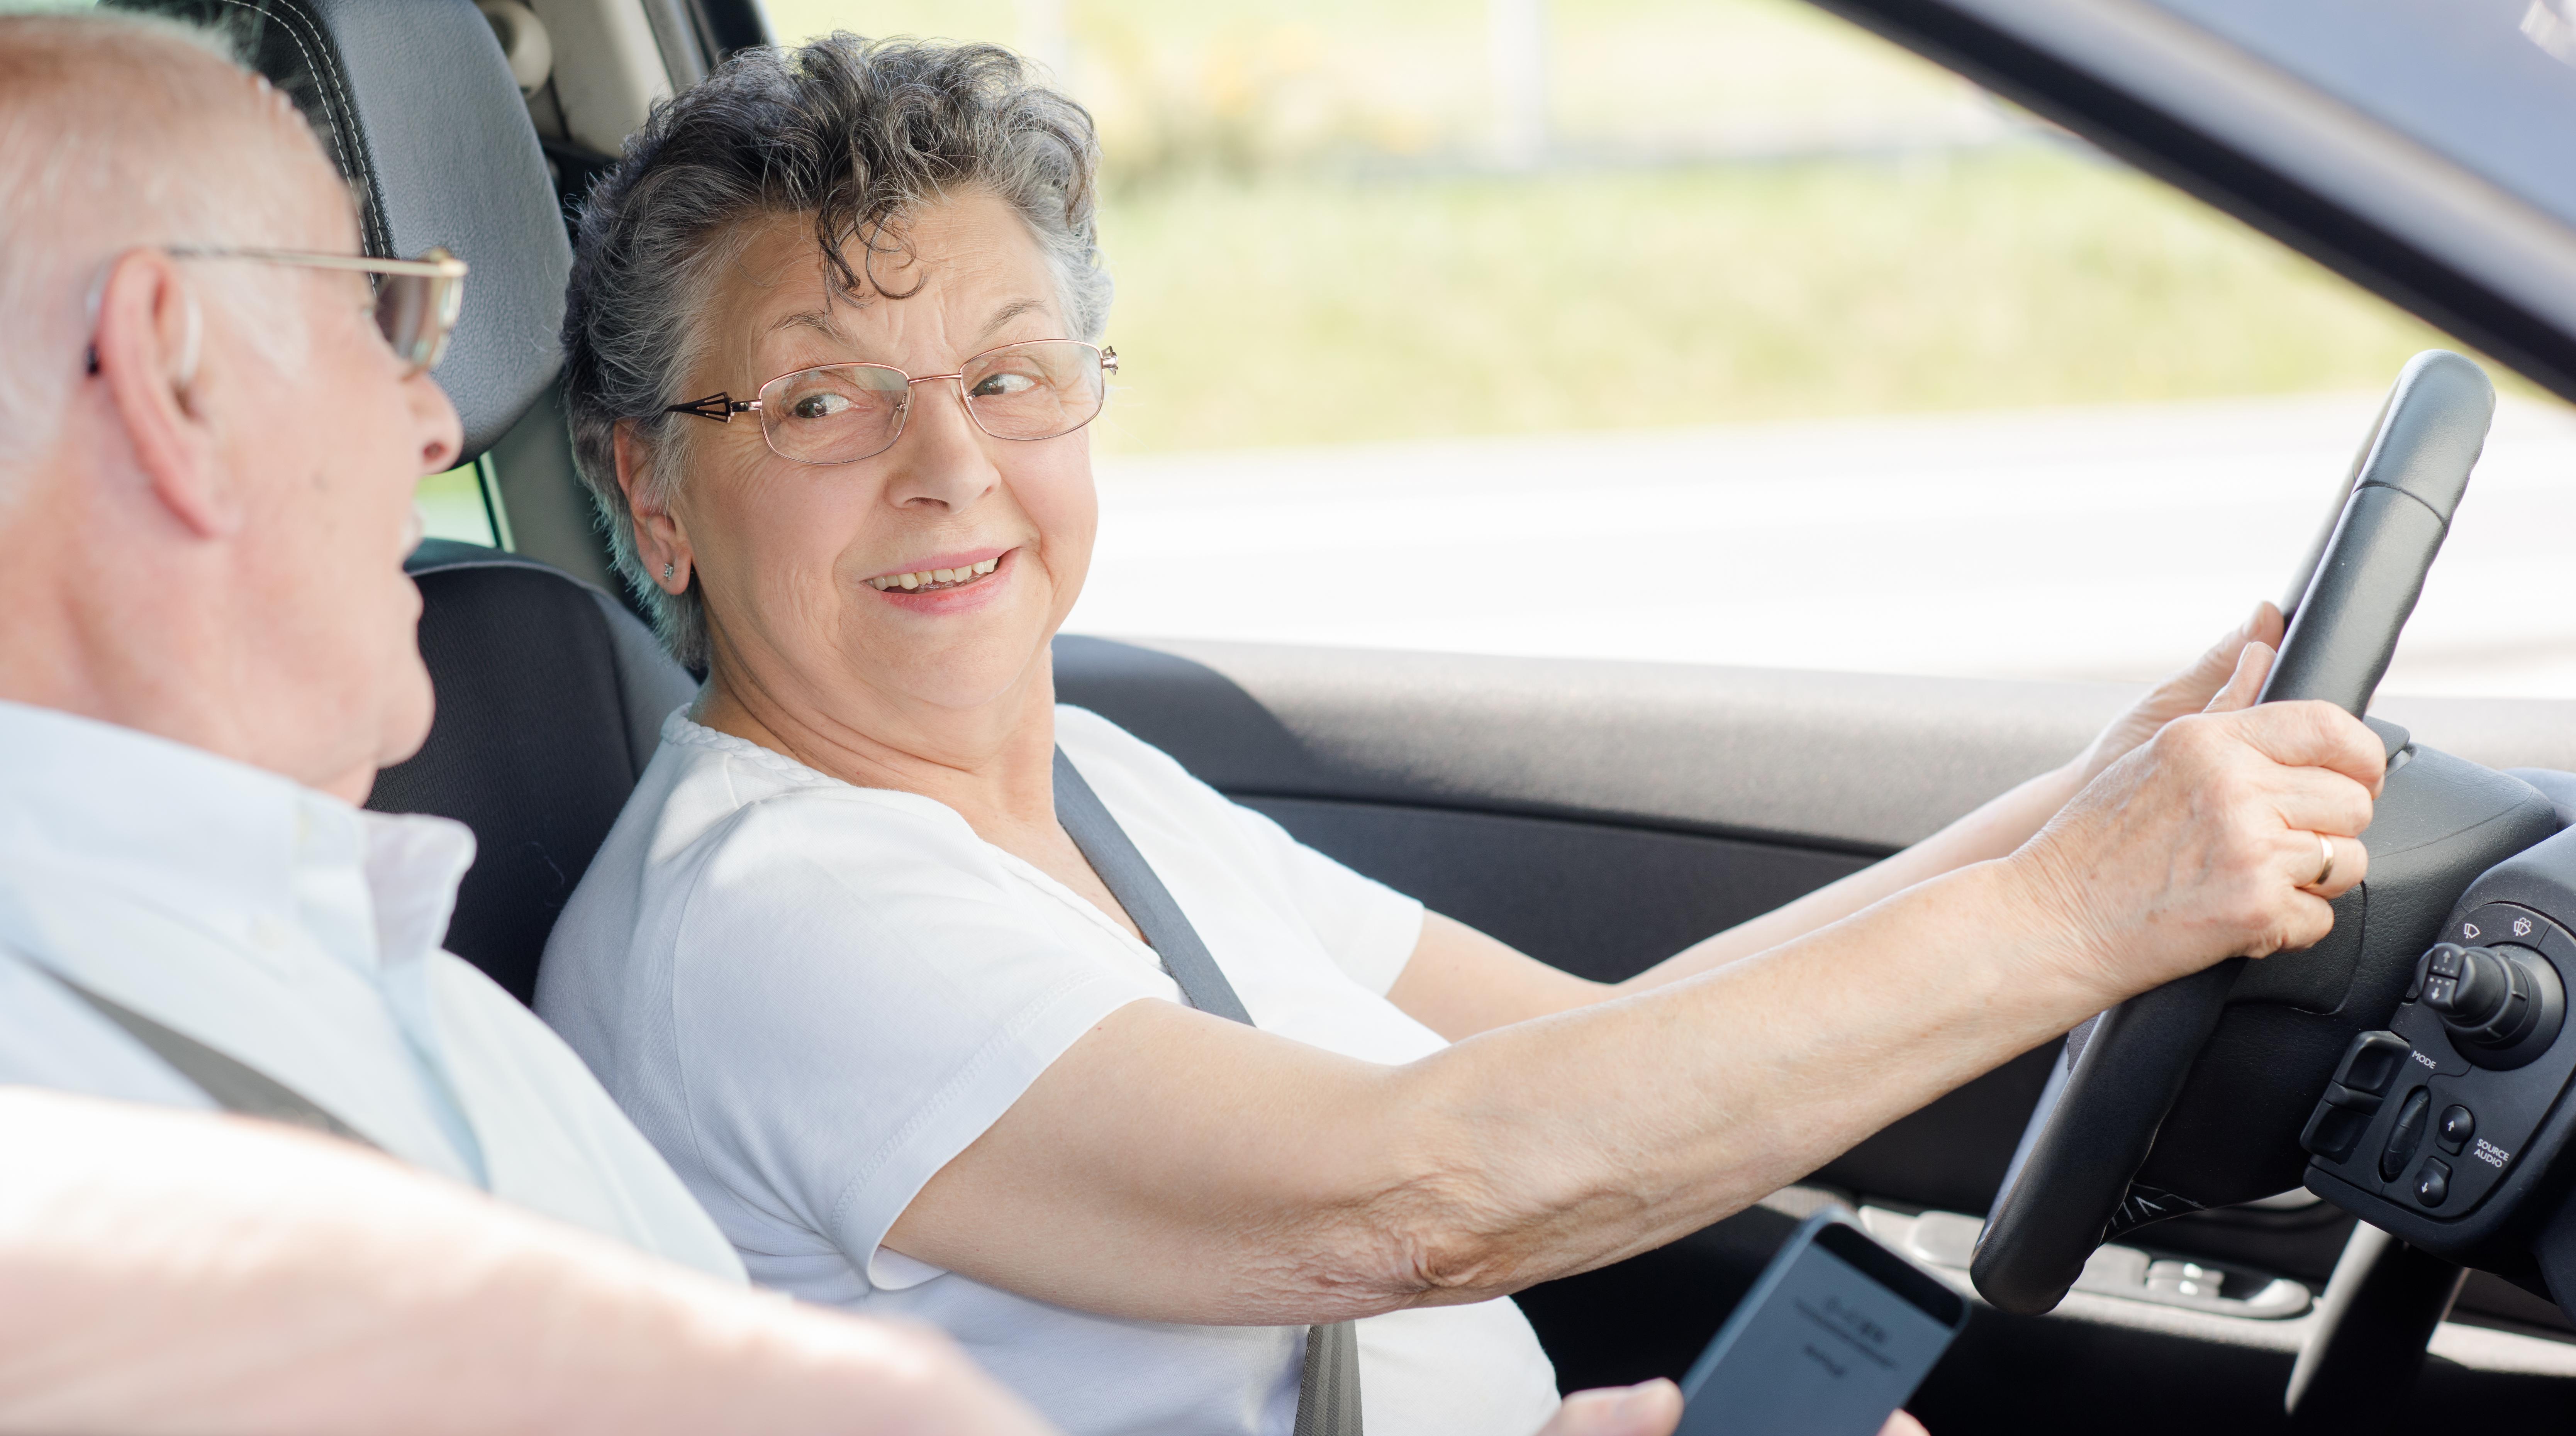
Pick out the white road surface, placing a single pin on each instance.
(2091, 543)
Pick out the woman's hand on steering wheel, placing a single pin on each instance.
(2189, 691)
(2226, 833)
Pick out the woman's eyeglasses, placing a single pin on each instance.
(417, 300)
(842, 413)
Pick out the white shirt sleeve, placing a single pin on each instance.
(1370, 929)
(859, 991)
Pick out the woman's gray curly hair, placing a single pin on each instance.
(849, 133)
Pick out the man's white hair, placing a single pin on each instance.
(117, 130)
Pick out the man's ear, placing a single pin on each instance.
(149, 341)
(661, 541)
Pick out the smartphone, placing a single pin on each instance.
(1830, 1341)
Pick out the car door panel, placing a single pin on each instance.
(1596, 899)
(1860, 763)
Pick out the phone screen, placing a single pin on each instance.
(1834, 1337)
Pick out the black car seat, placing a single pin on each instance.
(550, 693)
(550, 702)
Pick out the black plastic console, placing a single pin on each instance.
(2447, 1129)
(2441, 820)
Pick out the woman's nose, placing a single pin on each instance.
(940, 459)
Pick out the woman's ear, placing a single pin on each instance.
(149, 341)
(660, 540)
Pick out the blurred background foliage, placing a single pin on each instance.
(1332, 220)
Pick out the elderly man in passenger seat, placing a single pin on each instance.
(210, 430)
(208, 448)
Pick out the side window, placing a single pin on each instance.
(457, 505)
(1717, 331)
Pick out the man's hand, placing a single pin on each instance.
(2188, 691)
(1651, 1408)
(2227, 833)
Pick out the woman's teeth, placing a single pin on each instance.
(935, 577)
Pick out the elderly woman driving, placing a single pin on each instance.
(1101, 1073)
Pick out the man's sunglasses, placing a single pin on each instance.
(417, 300)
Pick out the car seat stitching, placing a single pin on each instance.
(381, 230)
(326, 72)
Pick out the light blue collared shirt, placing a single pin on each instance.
(300, 936)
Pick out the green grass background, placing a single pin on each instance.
(1289, 309)
(1310, 246)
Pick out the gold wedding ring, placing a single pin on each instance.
(2325, 872)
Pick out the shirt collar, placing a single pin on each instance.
(414, 862)
(225, 844)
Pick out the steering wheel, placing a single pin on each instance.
(2192, 1095)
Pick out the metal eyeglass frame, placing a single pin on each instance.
(721, 407)
(441, 306)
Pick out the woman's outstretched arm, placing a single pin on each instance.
(1461, 982)
(1174, 1166)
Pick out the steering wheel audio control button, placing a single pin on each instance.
(2369, 1066)
(2407, 1135)
(2361, 1082)
(2433, 1183)
(2333, 1132)
(2457, 1126)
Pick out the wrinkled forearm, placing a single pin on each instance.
(175, 1272)
(1193, 1170)
(1460, 982)
(1576, 1140)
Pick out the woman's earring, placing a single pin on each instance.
(666, 573)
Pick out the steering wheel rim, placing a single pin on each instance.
(2074, 1184)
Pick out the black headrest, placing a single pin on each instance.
(551, 698)
(416, 103)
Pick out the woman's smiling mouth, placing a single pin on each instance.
(934, 579)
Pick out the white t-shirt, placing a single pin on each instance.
(812, 996)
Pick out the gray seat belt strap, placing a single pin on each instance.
(1328, 1389)
(1131, 880)
(236, 1087)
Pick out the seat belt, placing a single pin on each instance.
(1328, 1389)
(235, 1086)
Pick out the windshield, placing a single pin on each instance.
(2490, 84)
